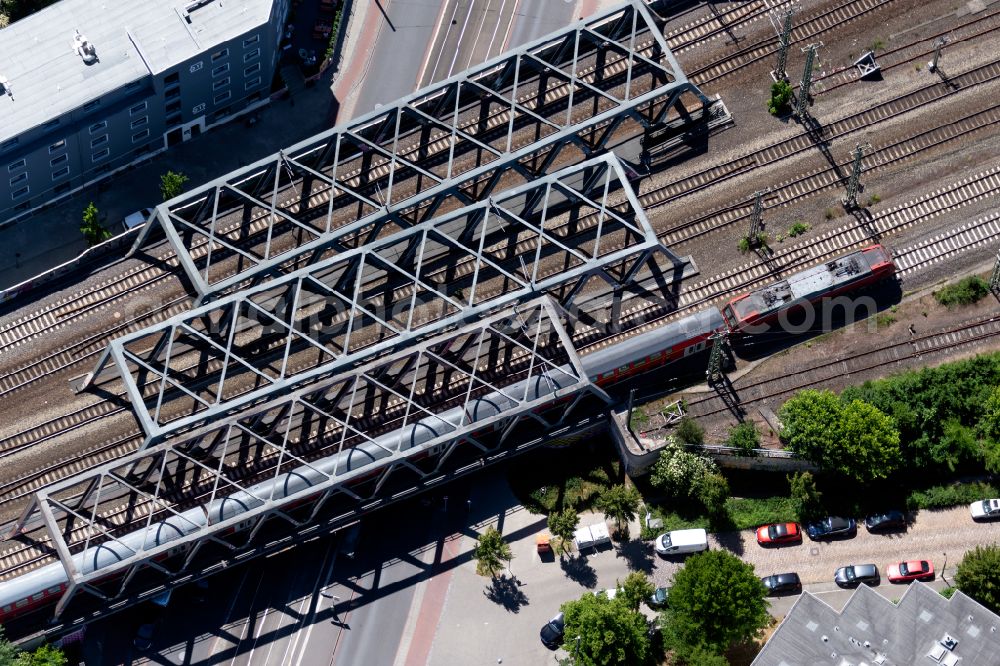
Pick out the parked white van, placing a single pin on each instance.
(680, 542)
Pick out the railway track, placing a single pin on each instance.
(890, 354)
(985, 230)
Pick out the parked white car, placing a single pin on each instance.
(681, 542)
(136, 219)
(988, 509)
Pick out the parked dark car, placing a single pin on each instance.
(832, 527)
(786, 583)
(886, 521)
(857, 574)
(659, 598)
(552, 633)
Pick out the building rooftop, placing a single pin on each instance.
(48, 77)
(923, 629)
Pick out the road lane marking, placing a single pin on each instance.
(461, 36)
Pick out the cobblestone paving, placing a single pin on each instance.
(930, 536)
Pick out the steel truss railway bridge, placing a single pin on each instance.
(381, 308)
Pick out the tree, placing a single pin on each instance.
(491, 553)
(690, 432)
(716, 600)
(678, 473)
(636, 589)
(978, 576)
(610, 632)
(988, 427)
(700, 656)
(91, 227)
(781, 94)
(808, 498)
(8, 651)
(744, 437)
(172, 184)
(562, 525)
(712, 492)
(620, 503)
(856, 440)
(44, 655)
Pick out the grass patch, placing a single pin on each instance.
(885, 320)
(951, 494)
(829, 213)
(874, 199)
(554, 479)
(966, 291)
(798, 229)
(747, 512)
(781, 94)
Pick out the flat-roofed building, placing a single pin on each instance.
(92, 87)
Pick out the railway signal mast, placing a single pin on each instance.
(932, 66)
(715, 373)
(757, 217)
(995, 278)
(854, 182)
(803, 101)
(784, 37)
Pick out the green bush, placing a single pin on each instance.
(781, 94)
(948, 495)
(690, 432)
(966, 291)
(798, 229)
(744, 437)
(743, 245)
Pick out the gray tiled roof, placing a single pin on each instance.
(872, 630)
(49, 78)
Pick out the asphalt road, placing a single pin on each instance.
(421, 41)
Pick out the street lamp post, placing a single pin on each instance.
(943, 567)
(576, 650)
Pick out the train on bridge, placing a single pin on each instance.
(610, 365)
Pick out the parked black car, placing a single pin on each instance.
(856, 574)
(832, 527)
(886, 521)
(659, 598)
(552, 633)
(786, 583)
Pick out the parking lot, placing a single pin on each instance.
(477, 625)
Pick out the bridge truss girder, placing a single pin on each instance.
(578, 235)
(340, 440)
(361, 181)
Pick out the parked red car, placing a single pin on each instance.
(769, 535)
(904, 572)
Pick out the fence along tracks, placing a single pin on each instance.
(890, 354)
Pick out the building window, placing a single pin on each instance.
(138, 108)
(63, 188)
(173, 106)
(220, 70)
(221, 83)
(97, 127)
(173, 120)
(222, 97)
(196, 66)
(58, 145)
(9, 143)
(172, 78)
(250, 41)
(173, 93)
(100, 155)
(139, 136)
(251, 55)
(16, 165)
(17, 194)
(92, 104)
(253, 83)
(139, 122)
(198, 108)
(19, 178)
(59, 159)
(219, 55)
(99, 141)
(51, 124)
(252, 69)
(134, 85)
(60, 173)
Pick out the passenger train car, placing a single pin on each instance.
(605, 367)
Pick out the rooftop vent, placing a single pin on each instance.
(5, 87)
(84, 48)
(949, 642)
